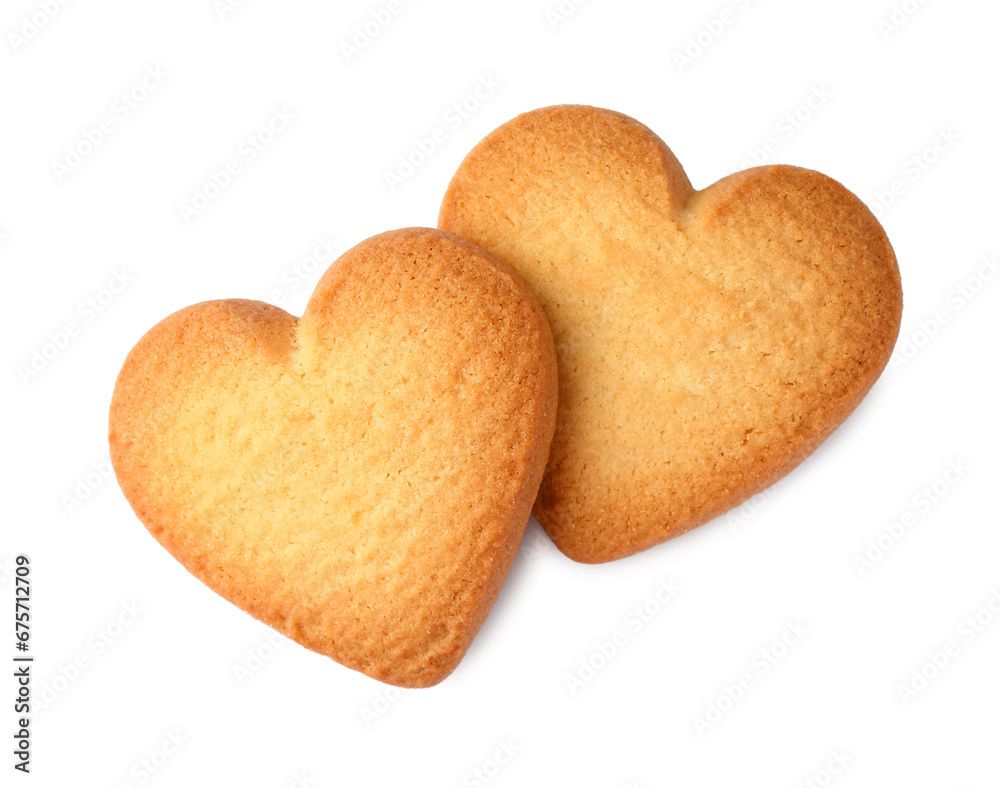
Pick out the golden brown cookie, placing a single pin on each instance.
(360, 478)
(708, 341)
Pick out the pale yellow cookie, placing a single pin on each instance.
(359, 478)
(708, 341)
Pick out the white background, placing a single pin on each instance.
(882, 97)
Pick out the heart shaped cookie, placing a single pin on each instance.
(707, 341)
(360, 478)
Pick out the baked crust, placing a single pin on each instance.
(708, 341)
(360, 478)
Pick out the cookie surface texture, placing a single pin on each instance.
(358, 478)
(707, 341)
